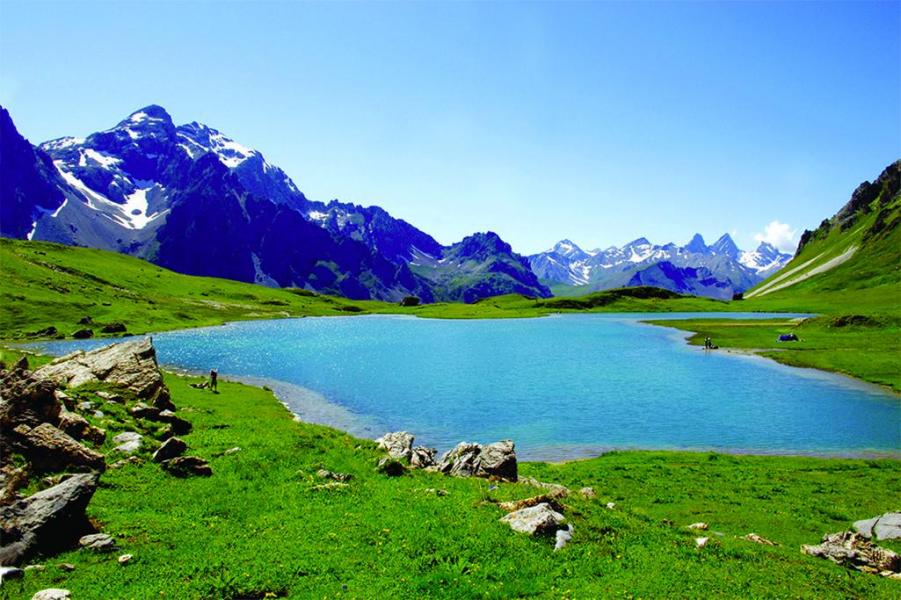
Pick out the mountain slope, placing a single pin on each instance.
(191, 199)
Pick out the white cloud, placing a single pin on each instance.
(780, 235)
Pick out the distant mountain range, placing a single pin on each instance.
(193, 200)
(719, 270)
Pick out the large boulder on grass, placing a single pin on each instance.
(397, 444)
(170, 449)
(49, 449)
(131, 365)
(498, 460)
(46, 522)
(535, 520)
(883, 527)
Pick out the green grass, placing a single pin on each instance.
(258, 527)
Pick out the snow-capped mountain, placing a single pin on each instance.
(191, 199)
(719, 270)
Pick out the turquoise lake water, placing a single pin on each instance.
(561, 387)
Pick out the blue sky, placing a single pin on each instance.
(600, 122)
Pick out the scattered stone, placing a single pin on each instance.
(49, 449)
(111, 397)
(46, 332)
(125, 559)
(437, 491)
(883, 527)
(563, 536)
(84, 405)
(170, 449)
(332, 485)
(550, 499)
(588, 492)
(231, 451)
(551, 487)
(73, 424)
(142, 411)
(131, 460)
(391, 467)
(46, 521)
(326, 474)
(98, 542)
(854, 550)
(83, 334)
(398, 444)
(7, 573)
(98, 414)
(52, 594)
(753, 537)
(186, 466)
(179, 426)
(422, 457)
(68, 567)
(534, 520)
(131, 365)
(612, 505)
(701, 541)
(128, 442)
(700, 525)
(114, 328)
(37, 568)
(461, 461)
(86, 321)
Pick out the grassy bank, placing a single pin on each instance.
(258, 528)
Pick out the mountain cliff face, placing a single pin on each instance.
(717, 271)
(191, 199)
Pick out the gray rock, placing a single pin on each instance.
(326, 474)
(170, 449)
(231, 451)
(84, 405)
(563, 537)
(498, 460)
(111, 397)
(422, 457)
(883, 527)
(588, 492)
(391, 467)
(853, 550)
(27, 400)
(398, 444)
(46, 521)
(535, 520)
(187, 466)
(131, 365)
(53, 594)
(461, 461)
(128, 442)
(143, 411)
(98, 414)
(49, 449)
(179, 426)
(125, 559)
(98, 542)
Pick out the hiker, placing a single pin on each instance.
(707, 343)
(214, 377)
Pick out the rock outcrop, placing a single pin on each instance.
(46, 521)
(398, 444)
(883, 527)
(854, 550)
(422, 457)
(131, 365)
(49, 449)
(535, 520)
(472, 460)
(170, 449)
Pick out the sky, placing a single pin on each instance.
(600, 122)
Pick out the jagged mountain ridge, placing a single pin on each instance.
(719, 270)
(191, 199)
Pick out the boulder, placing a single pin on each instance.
(551, 499)
(53, 594)
(854, 550)
(391, 467)
(7, 573)
(128, 442)
(535, 520)
(98, 542)
(187, 466)
(83, 334)
(398, 444)
(563, 537)
(461, 461)
(73, 424)
(111, 397)
(49, 449)
(142, 411)
(326, 474)
(170, 449)
(47, 521)
(883, 527)
(26, 399)
(67, 401)
(422, 457)
(179, 426)
(125, 559)
(131, 365)
(114, 328)
(498, 460)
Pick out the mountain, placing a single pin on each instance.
(193, 200)
(718, 271)
(853, 257)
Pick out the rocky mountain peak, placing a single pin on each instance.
(726, 246)
(696, 245)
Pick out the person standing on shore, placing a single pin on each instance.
(214, 379)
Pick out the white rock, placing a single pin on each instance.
(611, 505)
(699, 525)
(52, 594)
(129, 442)
(125, 559)
(701, 541)
(534, 520)
(883, 527)
(563, 536)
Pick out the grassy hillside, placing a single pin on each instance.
(260, 527)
